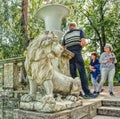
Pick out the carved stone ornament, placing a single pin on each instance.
(50, 90)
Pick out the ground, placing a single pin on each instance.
(105, 93)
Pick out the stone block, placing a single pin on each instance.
(93, 109)
(81, 112)
(109, 111)
(115, 103)
(8, 75)
(41, 107)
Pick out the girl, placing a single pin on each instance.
(95, 70)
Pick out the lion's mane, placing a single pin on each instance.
(38, 61)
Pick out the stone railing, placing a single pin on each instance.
(12, 73)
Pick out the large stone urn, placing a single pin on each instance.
(53, 16)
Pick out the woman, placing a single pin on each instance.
(94, 70)
(107, 62)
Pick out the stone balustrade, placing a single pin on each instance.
(12, 73)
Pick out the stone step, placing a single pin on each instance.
(82, 117)
(111, 103)
(109, 111)
(105, 117)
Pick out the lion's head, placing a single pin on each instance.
(41, 52)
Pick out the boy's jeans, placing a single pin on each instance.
(94, 83)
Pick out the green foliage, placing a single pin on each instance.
(12, 37)
(87, 63)
(35, 25)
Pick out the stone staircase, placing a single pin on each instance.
(110, 109)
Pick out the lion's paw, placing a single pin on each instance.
(72, 98)
(27, 98)
(48, 99)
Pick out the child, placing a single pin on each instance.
(95, 70)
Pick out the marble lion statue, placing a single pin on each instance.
(39, 65)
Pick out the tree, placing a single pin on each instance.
(24, 18)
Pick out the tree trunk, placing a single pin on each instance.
(24, 20)
(103, 37)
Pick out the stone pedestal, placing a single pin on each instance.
(64, 62)
(49, 108)
(77, 113)
(88, 111)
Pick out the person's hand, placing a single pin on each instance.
(90, 67)
(64, 47)
(109, 60)
(83, 42)
(93, 70)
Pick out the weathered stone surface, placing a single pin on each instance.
(77, 113)
(1, 74)
(8, 75)
(12, 73)
(109, 111)
(63, 63)
(55, 107)
(110, 103)
(93, 109)
(80, 112)
(110, 107)
(16, 76)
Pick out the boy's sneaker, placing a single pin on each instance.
(94, 92)
(102, 90)
(90, 95)
(97, 93)
(111, 93)
(86, 97)
(81, 95)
